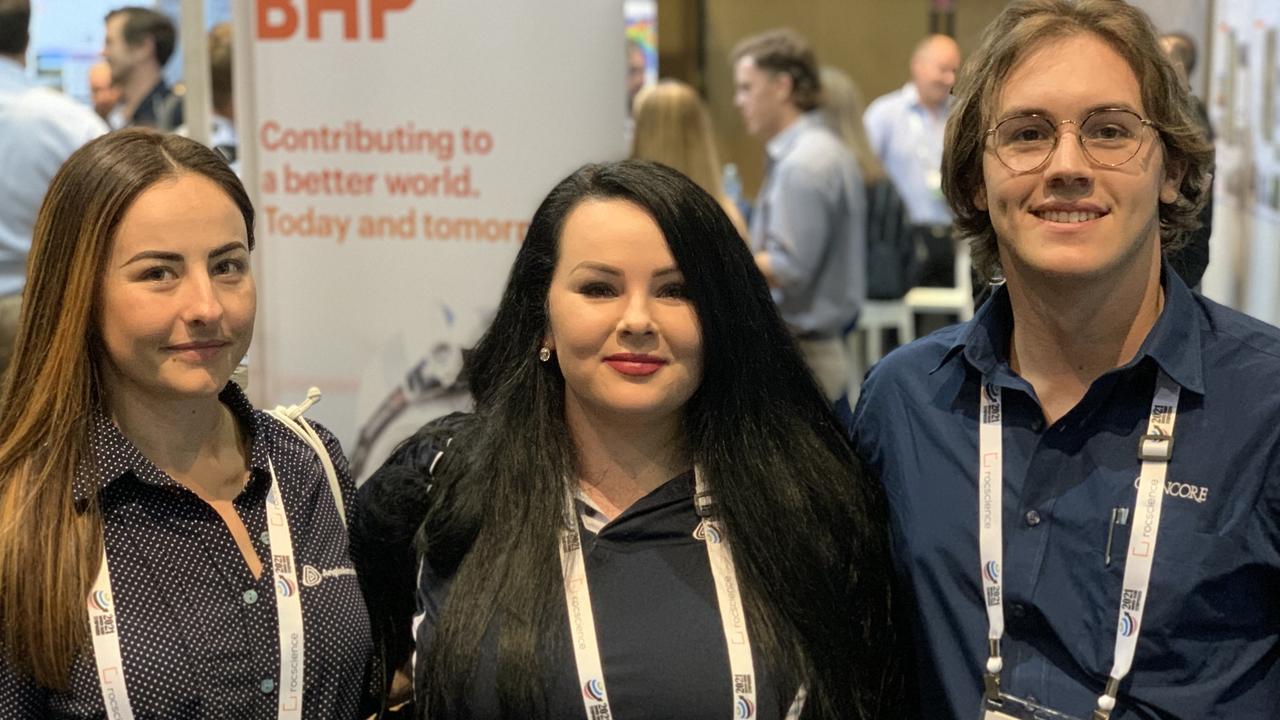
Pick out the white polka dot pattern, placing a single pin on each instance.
(197, 631)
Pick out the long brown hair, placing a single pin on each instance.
(50, 548)
(842, 109)
(673, 127)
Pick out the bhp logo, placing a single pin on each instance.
(279, 19)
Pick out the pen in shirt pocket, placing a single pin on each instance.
(1119, 516)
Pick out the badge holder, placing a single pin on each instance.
(1008, 707)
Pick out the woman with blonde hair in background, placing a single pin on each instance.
(892, 261)
(841, 109)
(673, 127)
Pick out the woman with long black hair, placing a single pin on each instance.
(652, 511)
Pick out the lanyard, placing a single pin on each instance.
(106, 638)
(1154, 450)
(582, 626)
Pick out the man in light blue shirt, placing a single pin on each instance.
(808, 231)
(39, 129)
(906, 128)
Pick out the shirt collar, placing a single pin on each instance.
(111, 455)
(779, 145)
(912, 96)
(1174, 342)
(12, 73)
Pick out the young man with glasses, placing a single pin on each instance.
(1034, 456)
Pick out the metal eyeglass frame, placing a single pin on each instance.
(1057, 135)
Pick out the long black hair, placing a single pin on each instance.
(807, 526)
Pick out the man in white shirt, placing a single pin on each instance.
(39, 129)
(905, 128)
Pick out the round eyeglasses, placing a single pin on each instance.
(1109, 137)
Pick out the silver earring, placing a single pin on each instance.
(544, 354)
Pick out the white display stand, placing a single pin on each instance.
(395, 151)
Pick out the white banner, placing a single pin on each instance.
(1244, 110)
(395, 150)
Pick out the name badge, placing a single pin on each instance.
(1008, 707)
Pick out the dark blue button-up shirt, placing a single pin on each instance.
(1210, 637)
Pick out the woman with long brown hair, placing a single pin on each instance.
(165, 549)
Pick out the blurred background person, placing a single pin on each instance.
(222, 131)
(674, 128)
(129, 463)
(103, 93)
(222, 126)
(637, 67)
(39, 129)
(906, 128)
(139, 42)
(1191, 258)
(808, 228)
(892, 263)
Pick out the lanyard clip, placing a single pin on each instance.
(1155, 448)
(704, 504)
(1106, 701)
(991, 686)
(991, 678)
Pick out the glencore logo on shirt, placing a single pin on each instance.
(1181, 490)
(593, 689)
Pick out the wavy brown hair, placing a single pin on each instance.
(50, 547)
(785, 51)
(1023, 27)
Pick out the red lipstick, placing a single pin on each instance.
(634, 364)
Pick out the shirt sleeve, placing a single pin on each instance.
(875, 122)
(340, 466)
(798, 227)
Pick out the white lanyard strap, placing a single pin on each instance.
(1154, 451)
(990, 527)
(732, 616)
(288, 604)
(582, 626)
(106, 637)
(106, 644)
(582, 622)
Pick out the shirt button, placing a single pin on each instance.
(1033, 518)
(267, 685)
(265, 537)
(250, 597)
(1037, 424)
(1019, 610)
